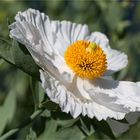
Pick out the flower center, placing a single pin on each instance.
(86, 59)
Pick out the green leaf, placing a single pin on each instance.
(45, 102)
(54, 131)
(118, 127)
(50, 130)
(34, 85)
(90, 137)
(7, 110)
(103, 127)
(46, 113)
(49, 105)
(66, 123)
(18, 55)
(72, 133)
(31, 135)
(102, 4)
(86, 125)
(123, 25)
(114, 14)
(1, 61)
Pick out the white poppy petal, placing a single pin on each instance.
(78, 110)
(36, 32)
(118, 96)
(40, 22)
(71, 100)
(64, 98)
(116, 60)
(67, 33)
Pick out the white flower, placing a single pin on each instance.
(76, 66)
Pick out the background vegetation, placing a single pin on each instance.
(20, 90)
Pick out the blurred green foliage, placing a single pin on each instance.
(20, 90)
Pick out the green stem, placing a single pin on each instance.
(34, 93)
(23, 124)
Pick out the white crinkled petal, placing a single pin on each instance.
(67, 33)
(107, 98)
(35, 30)
(70, 101)
(40, 21)
(119, 96)
(116, 60)
(59, 94)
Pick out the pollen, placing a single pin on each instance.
(86, 59)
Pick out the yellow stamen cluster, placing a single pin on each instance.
(86, 59)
